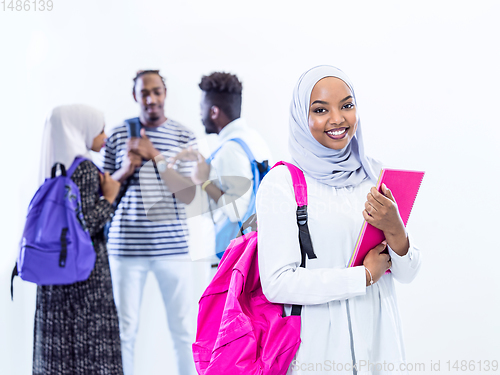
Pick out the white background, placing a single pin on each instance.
(426, 76)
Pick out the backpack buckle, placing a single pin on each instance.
(302, 215)
(263, 167)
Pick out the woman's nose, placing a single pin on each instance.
(336, 117)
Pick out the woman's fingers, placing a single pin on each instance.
(370, 208)
(387, 193)
(368, 218)
(383, 198)
(375, 197)
(381, 247)
(384, 255)
(378, 261)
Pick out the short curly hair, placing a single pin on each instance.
(224, 91)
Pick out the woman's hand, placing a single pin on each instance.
(377, 261)
(109, 187)
(381, 211)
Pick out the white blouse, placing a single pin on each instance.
(343, 321)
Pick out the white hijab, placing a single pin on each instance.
(337, 168)
(69, 132)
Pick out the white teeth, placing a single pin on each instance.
(339, 132)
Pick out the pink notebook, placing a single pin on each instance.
(404, 186)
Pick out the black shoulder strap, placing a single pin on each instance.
(14, 274)
(54, 170)
(306, 247)
(134, 127)
(133, 130)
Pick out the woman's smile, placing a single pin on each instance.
(337, 133)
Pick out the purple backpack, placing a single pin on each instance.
(56, 247)
(239, 331)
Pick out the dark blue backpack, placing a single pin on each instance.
(56, 247)
(228, 230)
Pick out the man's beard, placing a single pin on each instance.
(210, 127)
(153, 117)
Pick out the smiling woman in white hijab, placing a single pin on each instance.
(76, 325)
(350, 319)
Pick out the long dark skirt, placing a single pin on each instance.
(76, 326)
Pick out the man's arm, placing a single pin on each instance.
(235, 178)
(200, 173)
(233, 172)
(181, 186)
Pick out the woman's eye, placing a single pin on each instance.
(319, 110)
(348, 105)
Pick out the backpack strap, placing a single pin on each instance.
(14, 274)
(262, 167)
(251, 158)
(134, 127)
(245, 148)
(64, 248)
(300, 190)
(299, 183)
(257, 168)
(54, 170)
(239, 141)
(78, 160)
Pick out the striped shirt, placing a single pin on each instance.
(149, 221)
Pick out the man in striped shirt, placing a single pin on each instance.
(149, 230)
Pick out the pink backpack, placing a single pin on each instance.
(239, 330)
